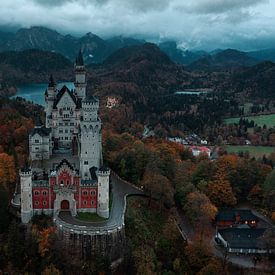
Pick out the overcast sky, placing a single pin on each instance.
(195, 24)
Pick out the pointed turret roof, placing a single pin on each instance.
(26, 167)
(38, 121)
(51, 81)
(79, 60)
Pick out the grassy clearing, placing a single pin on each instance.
(254, 151)
(89, 217)
(261, 120)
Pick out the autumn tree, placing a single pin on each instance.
(7, 170)
(199, 208)
(158, 187)
(144, 258)
(198, 255)
(45, 240)
(219, 189)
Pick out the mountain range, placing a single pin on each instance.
(96, 49)
(33, 66)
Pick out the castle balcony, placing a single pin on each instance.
(40, 183)
(65, 189)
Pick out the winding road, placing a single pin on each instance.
(120, 189)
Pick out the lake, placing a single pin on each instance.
(36, 92)
(194, 92)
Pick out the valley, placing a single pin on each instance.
(180, 135)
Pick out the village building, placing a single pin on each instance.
(236, 217)
(199, 150)
(242, 240)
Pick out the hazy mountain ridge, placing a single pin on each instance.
(33, 66)
(223, 60)
(96, 50)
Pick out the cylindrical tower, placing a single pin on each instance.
(90, 137)
(26, 194)
(103, 192)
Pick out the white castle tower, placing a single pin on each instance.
(103, 192)
(80, 77)
(90, 137)
(50, 95)
(26, 194)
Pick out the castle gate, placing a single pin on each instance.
(65, 205)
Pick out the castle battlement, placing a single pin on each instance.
(104, 172)
(25, 173)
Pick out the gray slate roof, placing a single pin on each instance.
(246, 238)
(230, 215)
(40, 130)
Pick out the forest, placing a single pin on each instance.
(171, 176)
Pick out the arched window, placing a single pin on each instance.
(44, 202)
(44, 193)
(36, 202)
(36, 193)
(92, 193)
(84, 193)
(84, 202)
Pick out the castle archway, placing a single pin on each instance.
(65, 205)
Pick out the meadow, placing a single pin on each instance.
(260, 120)
(254, 151)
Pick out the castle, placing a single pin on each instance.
(66, 172)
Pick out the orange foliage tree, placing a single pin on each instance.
(219, 189)
(7, 170)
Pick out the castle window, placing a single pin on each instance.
(36, 193)
(84, 193)
(44, 193)
(84, 202)
(61, 182)
(93, 193)
(36, 202)
(86, 162)
(44, 202)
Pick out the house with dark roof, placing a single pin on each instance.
(242, 240)
(235, 217)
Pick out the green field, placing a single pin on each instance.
(254, 151)
(89, 217)
(261, 120)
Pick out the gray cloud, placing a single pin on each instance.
(196, 24)
(219, 6)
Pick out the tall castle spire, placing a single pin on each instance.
(80, 76)
(79, 59)
(51, 82)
